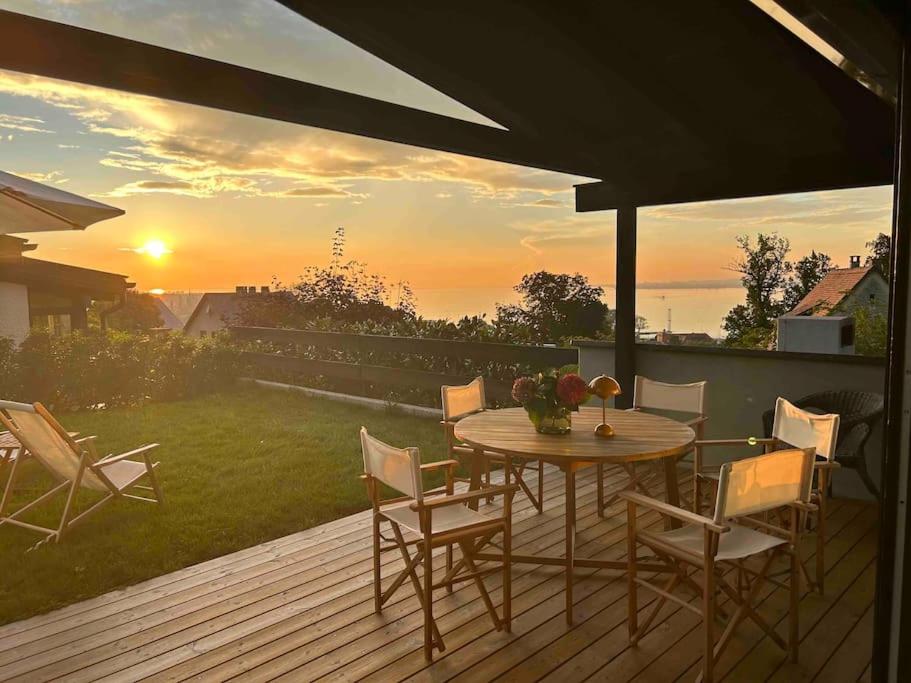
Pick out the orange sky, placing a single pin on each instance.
(242, 200)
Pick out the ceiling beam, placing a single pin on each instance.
(55, 50)
(814, 177)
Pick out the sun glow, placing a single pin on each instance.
(154, 248)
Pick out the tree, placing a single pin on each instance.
(870, 326)
(139, 313)
(554, 307)
(344, 292)
(764, 271)
(880, 254)
(808, 272)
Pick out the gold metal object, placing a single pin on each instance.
(604, 387)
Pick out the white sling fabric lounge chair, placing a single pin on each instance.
(650, 393)
(437, 520)
(735, 535)
(462, 401)
(74, 463)
(797, 428)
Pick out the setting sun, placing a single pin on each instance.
(154, 248)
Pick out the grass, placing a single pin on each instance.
(236, 470)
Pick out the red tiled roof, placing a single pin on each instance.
(830, 291)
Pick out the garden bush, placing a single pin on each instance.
(96, 369)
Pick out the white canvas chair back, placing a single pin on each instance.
(47, 442)
(803, 429)
(463, 400)
(766, 482)
(687, 398)
(398, 468)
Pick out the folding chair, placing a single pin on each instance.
(462, 401)
(796, 428)
(730, 539)
(437, 520)
(649, 393)
(74, 463)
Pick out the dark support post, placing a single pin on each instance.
(625, 326)
(78, 318)
(892, 616)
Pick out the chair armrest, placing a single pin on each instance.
(671, 511)
(827, 465)
(85, 438)
(736, 442)
(439, 464)
(124, 456)
(465, 497)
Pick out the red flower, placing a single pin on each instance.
(572, 389)
(523, 389)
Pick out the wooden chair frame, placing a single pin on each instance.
(683, 566)
(83, 449)
(470, 539)
(464, 453)
(634, 479)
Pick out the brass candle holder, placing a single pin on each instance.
(604, 387)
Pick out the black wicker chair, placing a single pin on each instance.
(859, 411)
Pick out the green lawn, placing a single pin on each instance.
(236, 470)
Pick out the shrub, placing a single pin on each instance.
(101, 369)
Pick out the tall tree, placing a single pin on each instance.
(764, 271)
(880, 252)
(554, 307)
(807, 273)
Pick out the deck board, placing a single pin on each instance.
(301, 608)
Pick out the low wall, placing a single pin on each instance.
(742, 384)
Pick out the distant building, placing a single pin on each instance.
(169, 321)
(844, 289)
(683, 338)
(822, 322)
(217, 310)
(53, 296)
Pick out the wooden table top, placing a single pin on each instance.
(639, 436)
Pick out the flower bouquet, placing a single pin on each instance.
(550, 397)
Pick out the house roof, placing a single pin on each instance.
(831, 291)
(62, 279)
(168, 319)
(219, 304)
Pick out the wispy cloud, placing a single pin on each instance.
(55, 177)
(536, 234)
(25, 124)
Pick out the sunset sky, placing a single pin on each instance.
(235, 199)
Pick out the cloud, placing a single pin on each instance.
(443, 195)
(55, 177)
(571, 228)
(545, 204)
(217, 152)
(25, 124)
(68, 146)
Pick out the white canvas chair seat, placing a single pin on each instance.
(451, 518)
(124, 474)
(443, 520)
(460, 402)
(737, 543)
(75, 466)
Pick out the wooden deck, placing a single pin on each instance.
(301, 608)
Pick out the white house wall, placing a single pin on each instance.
(14, 314)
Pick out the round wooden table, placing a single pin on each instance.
(639, 436)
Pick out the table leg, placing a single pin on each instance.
(672, 489)
(477, 469)
(570, 539)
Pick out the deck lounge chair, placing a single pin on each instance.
(75, 464)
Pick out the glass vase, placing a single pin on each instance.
(554, 421)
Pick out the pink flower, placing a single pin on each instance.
(523, 389)
(571, 389)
